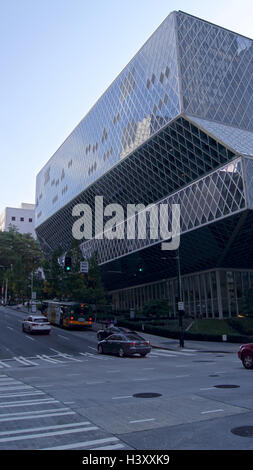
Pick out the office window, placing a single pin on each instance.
(13, 218)
(30, 219)
(21, 219)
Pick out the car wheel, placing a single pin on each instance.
(100, 349)
(143, 355)
(121, 352)
(247, 361)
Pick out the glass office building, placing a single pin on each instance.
(175, 127)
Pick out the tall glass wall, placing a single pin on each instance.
(209, 294)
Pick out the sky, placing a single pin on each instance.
(57, 57)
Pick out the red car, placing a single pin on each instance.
(245, 353)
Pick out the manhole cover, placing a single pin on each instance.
(147, 395)
(214, 375)
(244, 431)
(227, 386)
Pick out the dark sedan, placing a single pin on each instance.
(245, 353)
(124, 345)
(111, 330)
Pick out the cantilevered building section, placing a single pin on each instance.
(176, 126)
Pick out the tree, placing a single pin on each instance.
(20, 256)
(74, 285)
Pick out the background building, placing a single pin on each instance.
(22, 217)
(175, 126)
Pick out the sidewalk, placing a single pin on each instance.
(200, 346)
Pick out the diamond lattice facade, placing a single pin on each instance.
(175, 127)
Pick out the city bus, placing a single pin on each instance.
(68, 314)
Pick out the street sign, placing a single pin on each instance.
(84, 266)
(33, 295)
(180, 306)
(34, 308)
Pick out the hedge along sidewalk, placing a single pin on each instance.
(166, 333)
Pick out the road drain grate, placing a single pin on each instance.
(244, 431)
(227, 386)
(147, 395)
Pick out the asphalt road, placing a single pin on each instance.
(56, 392)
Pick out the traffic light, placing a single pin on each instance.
(139, 268)
(67, 264)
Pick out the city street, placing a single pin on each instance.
(56, 392)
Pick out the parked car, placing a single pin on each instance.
(245, 353)
(124, 344)
(110, 330)
(36, 324)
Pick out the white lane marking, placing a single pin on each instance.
(44, 428)
(142, 420)
(120, 398)
(140, 379)
(92, 348)
(48, 434)
(94, 382)
(181, 376)
(64, 337)
(29, 337)
(211, 411)
(208, 388)
(76, 445)
(10, 328)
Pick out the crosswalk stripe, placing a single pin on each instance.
(163, 352)
(3, 364)
(14, 387)
(25, 361)
(23, 394)
(77, 445)
(48, 434)
(43, 357)
(28, 402)
(42, 428)
(32, 416)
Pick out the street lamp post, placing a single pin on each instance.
(180, 306)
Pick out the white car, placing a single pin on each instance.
(36, 324)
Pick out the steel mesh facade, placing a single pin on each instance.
(176, 126)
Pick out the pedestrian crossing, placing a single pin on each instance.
(61, 358)
(31, 419)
